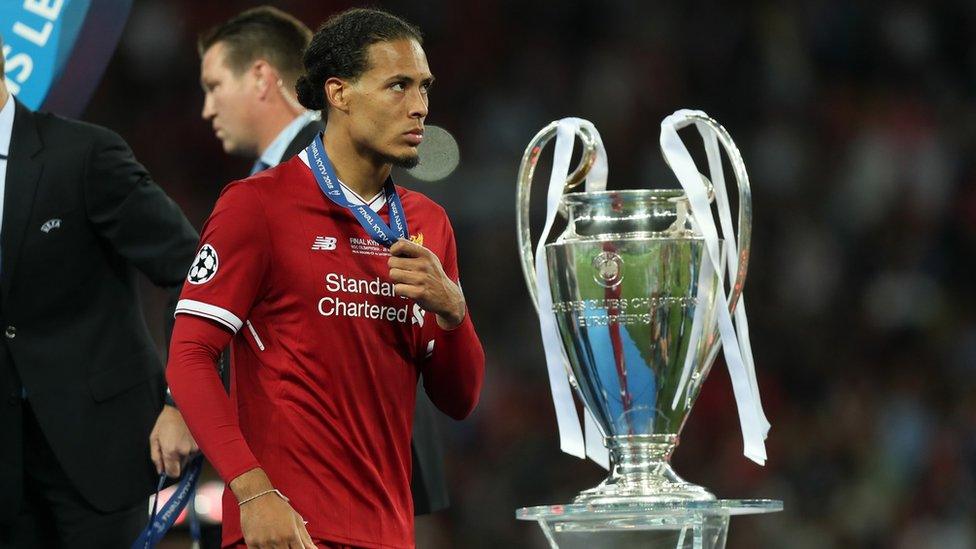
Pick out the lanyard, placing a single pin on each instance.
(370, 220)
(161, 522)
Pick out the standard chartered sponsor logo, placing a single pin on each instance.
(335, 282)
(335, 305)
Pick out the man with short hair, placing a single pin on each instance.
(249, 65)
(339, 290)
(239, 57)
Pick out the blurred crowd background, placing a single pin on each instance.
(857, 121)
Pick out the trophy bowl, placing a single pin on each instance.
(625, 284)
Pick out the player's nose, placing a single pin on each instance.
(418, 104)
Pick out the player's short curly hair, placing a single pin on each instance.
(340, 49)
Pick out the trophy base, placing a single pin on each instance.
(674, 525)
(663, 486)
(642, 474)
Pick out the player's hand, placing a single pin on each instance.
(417, 274)
(268, 521)
(170, 444)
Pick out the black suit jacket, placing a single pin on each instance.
(80, 216)
(302, 140)
(428, 485)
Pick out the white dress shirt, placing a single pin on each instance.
(6, 128)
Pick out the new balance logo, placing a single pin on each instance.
(324, 243)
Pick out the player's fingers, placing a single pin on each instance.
(397, 248)
(407, 290)
(405, 263)
(155, 453)
(399, 276)
(405, 248)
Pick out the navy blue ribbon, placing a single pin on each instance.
(370, 220)
(161, 522)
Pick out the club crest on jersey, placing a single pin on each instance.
(204, 266)
(417, 238)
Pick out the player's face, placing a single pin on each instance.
(228, 102)
(389, 102)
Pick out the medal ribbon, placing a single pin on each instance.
(371, 221)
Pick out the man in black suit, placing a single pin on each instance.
(81, 385)
(249, 66)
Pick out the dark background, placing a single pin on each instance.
(856, 121)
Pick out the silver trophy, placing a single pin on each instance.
(637, 305)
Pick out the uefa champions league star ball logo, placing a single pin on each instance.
(204, 266)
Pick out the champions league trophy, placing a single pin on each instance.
(633, 309)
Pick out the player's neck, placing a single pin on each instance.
(360, 172)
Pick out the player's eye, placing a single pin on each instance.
(398, 86)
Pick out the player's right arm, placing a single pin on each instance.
(226, 279)
(267, 520)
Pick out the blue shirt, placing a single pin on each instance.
(272, 155)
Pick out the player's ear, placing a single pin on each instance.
(337, 94)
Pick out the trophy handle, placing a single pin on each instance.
(745, 201)
(526, 171)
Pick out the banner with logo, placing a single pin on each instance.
(56, 51)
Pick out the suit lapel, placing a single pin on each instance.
(302, 140)
(23, 171)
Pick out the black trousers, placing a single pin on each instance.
(54, 514)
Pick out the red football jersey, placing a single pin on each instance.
(325, 356)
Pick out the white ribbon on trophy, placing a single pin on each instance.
(571, 439)
(734, 335)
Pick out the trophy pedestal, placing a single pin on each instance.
(674, 525)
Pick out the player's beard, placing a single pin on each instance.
(405, 162)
